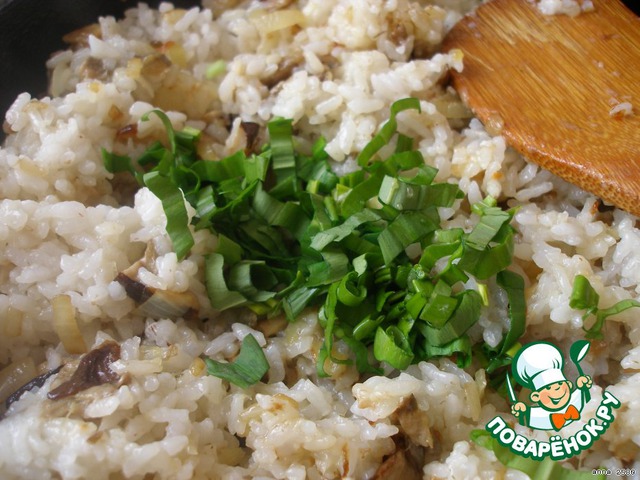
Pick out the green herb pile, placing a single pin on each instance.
(292, 234)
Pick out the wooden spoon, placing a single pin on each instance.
(549, 84)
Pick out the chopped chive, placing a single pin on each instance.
(216, 68)
(173, 206)
(584, 297)
(392, 346)
(247, 369)
(387, 130)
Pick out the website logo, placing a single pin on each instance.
(554, 403)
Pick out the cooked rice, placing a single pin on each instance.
(67, 229)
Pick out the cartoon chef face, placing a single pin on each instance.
(553, 397)
(538, 367)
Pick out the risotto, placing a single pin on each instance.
(121, 388)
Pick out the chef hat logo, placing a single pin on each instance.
(538, 365)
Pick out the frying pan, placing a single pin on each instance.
(31, 30)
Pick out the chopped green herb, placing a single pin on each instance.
(489, 247)
(170, 178)
(293, 234)
(173, 206)
(388, 130)
(216, 68)
(392, 346)
(584, 297)
(460, 347)
(248, 368)
(513, 285)
(116, 163)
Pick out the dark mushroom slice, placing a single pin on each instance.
(37, 382)
(284, 71)
(93, 369)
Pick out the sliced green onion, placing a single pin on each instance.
(466, 315)
(233, 166)
(349, 292)
(405, 161)
(153, 155)
(116, 163)
(407, 228)
(230, 250)
(316, 171)
(367, 327)
(392, 346)
(335, 234)
(485, 231)
(214, 69)
(406, 195)
(188, 180)
(439, 310)
(486, 263)
(220, 296)
(596, 329)
(362, 356)
(171, 133)
(327, 317)
(513, 284)
(584, 297)
(334, 266)
(387, 130)
(357, 198)
(404, 143)
(282, 214)
(488, 249)
(360, 264)
(282, 156)
(461, 347)
(484, 294)
(205, 206)
(253, 280)
(415, 304)
(294, 303)
(175, 210)
(247, 369)
(443, 244)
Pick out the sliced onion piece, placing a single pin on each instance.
(66, 326)
(13, 322)
(279, 20)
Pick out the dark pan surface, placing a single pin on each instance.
(31, 30)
